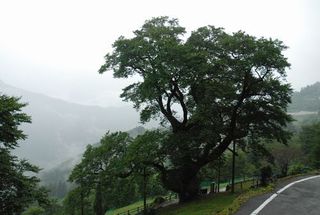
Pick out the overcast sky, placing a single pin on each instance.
(56, 47)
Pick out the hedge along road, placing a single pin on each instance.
(301, 197)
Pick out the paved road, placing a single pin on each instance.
(302, 198)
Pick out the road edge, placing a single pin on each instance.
(267, 201)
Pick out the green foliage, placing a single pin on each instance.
(18, 186)
(76, 203)
(310, 139)
(298, 168)
(244, 167)
(286, 155)
(112, 172)
(54, 208)
(10, 119)
(243, 198)
(211, 88)
(209, 206)
(34, 210)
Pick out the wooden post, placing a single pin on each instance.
(219, 169)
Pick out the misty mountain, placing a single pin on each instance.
(60, 129)
(56, 178)
(306, 100)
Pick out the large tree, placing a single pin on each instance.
(212, 88)
(18, 185)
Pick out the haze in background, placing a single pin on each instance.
(56, 47)
(61, 130)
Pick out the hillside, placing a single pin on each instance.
(60, 129)
(56, 178)
(307, 100)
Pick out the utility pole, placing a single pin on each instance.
(219, 168)
(144, 191)
(233, 165)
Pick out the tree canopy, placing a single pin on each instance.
(212, 88)
(17, 188)
(114, 168)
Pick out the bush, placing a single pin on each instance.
(34, 210)
(298, 169)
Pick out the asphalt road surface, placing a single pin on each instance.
(301, 198)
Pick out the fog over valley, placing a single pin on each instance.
(60, 130)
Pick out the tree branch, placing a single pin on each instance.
(173, 121)
(179, 95)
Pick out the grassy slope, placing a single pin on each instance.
(210, 205)
(201, 204)
(207, 206)
(225, 203)
(128, 207)
(214, 204)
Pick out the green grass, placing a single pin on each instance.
(217, 204)
(243, 198)
(128, 207)
(208, 206)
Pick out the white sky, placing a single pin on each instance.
(56, 47)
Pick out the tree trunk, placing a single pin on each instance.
(82, 202)
(98, 201)
(144, 191)
(183, 181)
(284, 170)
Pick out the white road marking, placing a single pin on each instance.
(256, 211)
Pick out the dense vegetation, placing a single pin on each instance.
(211, 89)
(208, 91)
(18, 186)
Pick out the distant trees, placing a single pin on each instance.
(18, 186)
(307, 99)
(285, 156)
(212, 89)
(110, 175)
(99, 167)
(310, 139)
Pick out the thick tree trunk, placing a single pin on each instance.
(98, 201)
(82, 202)
(183, 181)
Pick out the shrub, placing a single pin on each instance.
(298, 169)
